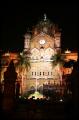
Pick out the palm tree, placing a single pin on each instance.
(23, 61)
(58, 59)
(23, 64)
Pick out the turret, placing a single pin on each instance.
(27, 41)
(57, 37)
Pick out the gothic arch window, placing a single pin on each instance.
(49, 52)
(35, 53)
(34, 50)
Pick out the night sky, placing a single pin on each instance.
(18, 17)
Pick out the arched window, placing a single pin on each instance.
(35, 54)
(49, 52)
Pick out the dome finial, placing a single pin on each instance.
(45, 17)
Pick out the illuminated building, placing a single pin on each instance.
(43, 42)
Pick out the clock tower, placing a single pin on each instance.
(44, 43)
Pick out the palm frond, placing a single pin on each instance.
(23, 60)
(57, 58)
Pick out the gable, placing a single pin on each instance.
(42, 36)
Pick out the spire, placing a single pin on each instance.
(45, 17)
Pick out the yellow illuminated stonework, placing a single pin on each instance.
(43, 43)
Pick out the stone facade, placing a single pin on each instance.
(43, 42)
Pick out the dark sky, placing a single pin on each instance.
(18, 16)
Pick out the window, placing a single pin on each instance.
(40, 73)
(32, 73)
(35, 73)
(48, 73)
(43, 73)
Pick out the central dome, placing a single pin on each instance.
(45, 26)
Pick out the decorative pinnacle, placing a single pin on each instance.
(45, 17)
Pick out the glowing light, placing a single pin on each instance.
(36, 95)
(67, 51)
(61, 100)
(7, 54)
(45, 17)
(42, 41)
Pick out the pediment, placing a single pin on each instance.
(47, 41)
(42, 36)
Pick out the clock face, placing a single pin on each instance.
(42, 41)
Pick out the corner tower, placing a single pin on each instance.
(27, 38)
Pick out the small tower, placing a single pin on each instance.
(57, 37)
(45, 17)
(27, 41)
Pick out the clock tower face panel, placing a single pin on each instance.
(44, 41)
